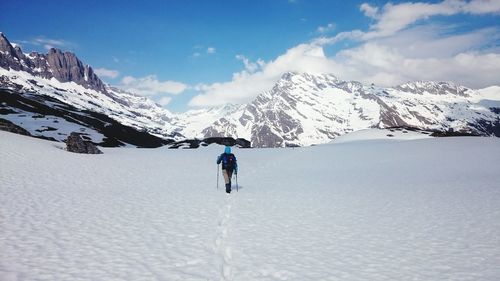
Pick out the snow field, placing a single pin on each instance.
(381, 134)
(422, 209)
(376, 212)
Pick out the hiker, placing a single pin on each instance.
(228, 166)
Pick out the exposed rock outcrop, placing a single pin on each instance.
(64, 66)
(6, 125)
(195, 143)
(75, 143)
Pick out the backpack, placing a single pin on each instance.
(228, 161)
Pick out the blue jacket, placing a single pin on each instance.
(223, 159)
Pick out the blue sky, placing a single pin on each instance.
(205, 53)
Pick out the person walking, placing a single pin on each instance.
(229, 165)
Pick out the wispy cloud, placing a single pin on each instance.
(251, 67)
(196, 55)
(200, 51)
(150, 86)
(369, 10)
(392, 18)
(48, 43)
(109, 73)
(259, 77)
(391, 51)
(325, 29)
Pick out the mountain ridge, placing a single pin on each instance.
(300, 109)
(283, 114)
(64, 66)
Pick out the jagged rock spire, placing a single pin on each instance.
(64, 66)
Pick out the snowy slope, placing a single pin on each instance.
(422, 209)
(192, 122)
(304, 109)
(134, 111)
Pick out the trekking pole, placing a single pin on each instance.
(236, 182)
(217, 176)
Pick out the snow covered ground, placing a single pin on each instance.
(397, 134)
(425, 209)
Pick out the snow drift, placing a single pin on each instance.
(424, 209)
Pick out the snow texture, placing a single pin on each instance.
(396, 134)
(424, 209)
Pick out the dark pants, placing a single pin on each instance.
(227, 179)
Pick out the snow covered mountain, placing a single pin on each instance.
(304, 109)
(301, 109)
(54, 94)
(64, 67)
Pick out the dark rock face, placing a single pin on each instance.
(64, 66)
(265, 137)
(195, 143)
(115, 134)
(388, 116)
(8, 55)
(6, 125)
(76, 144)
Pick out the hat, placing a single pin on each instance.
(227, 150)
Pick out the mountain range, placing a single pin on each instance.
(51, 95)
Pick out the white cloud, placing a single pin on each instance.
(387, 65)
(103, 72)
(201, 51)
(150, 85)
(391, 52)
(127, 80)
(164, 101)
(48, 43)
(395, 17)
(369, 10)
(246, 84)
(327, 28)
(482, 7)
(345, 35)
(251, 67)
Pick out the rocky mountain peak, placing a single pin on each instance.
(64, 66)
(300, 78)
(2, 37)
(5, 45)
(435, 88)
(287, 76)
